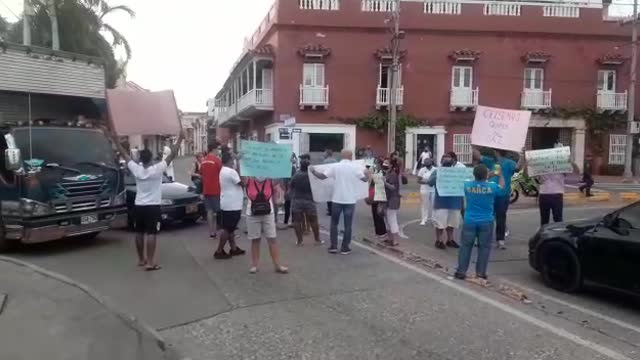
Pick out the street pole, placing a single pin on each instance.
(628, 163)
(393, 101)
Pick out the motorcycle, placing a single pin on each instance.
(520, 183)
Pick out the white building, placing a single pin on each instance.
(194, 125)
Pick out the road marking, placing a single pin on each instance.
(502, 306)
(575, 307)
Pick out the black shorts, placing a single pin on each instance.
(228, 220)
(147, 219)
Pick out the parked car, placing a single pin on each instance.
(180, 202)
(603, 250)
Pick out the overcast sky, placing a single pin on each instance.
(190, 45)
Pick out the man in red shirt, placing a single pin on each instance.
(210, 170)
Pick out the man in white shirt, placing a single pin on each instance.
(345, 174)
(231, 201)
(147, 211)
(426, 191)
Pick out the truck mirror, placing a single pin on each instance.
(13, 159)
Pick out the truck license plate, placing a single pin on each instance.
(191, 209)
(89, 219)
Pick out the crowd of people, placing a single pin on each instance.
(481, 213)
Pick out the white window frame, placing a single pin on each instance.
(462, 147)
(531, 75)
(603, 83)
(314, 72)
(390, 69)
(461, 70)
(617, 149)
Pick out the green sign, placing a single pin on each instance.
(267, 160)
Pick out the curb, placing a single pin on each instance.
(128, 319)
(599, 196)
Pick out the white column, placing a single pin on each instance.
(410, 147)
(440, 139)
(254, 74)
(578, 142)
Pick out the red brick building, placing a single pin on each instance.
(325, 63)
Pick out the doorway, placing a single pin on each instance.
(425, 140)
(544, 138)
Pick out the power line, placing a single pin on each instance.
(8, 8)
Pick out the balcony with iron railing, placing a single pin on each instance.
(314, 96)
(611, 102)
(536, 99)
(383, 97)
(253, 102)
(464, 99)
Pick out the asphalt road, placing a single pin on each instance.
(369, 305)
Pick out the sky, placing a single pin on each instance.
(188, 46)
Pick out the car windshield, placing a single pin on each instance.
(65, 146)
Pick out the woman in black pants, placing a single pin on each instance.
(551, 198)
(378, 202)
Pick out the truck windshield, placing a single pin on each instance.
(65, 146)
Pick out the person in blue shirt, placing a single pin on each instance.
(446, 214)
(499, 165)
(478, 220)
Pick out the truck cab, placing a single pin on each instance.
(59, 174)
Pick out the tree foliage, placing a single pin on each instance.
(82, 29)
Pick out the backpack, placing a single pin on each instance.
(260, 206)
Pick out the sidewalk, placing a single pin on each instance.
(44, 315)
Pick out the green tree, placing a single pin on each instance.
(82, 29)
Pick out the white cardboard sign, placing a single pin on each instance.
(500, 128)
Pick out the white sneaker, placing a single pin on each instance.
(423, 223)
(502, 245)
(506, 233)
(253, 270)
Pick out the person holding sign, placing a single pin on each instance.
(551, 194)
(426, 191)
(345, 195)
(446, 216)
(500, 165)
(261, 221)
(478, 221)
(147, 212)
(392, 192)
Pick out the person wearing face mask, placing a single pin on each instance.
(378, 199)
(446, 215)
(426, 191)
(392, 191)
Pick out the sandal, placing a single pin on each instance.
(153, 268)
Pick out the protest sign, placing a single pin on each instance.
(143, 112)
(549, 161)
(450, 180)
(267, 160)
(500, 128)
(322, 190)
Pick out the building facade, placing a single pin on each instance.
(324, 65)
(194, 126)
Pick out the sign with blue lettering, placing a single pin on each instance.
(267, 160)
(450, 180)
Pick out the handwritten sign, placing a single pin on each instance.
(322, 190)
(265, 159)
(450, 180)
(549, 161)
(500, 128)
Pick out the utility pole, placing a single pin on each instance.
(53, 16)
(393, 101)
(26, 23)
(628, 163)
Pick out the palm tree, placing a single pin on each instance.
(82, 29)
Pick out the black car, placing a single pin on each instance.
(179, 201)
(603, 250)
